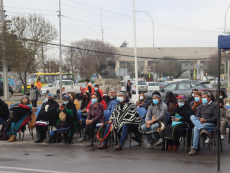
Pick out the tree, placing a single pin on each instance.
(211, 66)
(169, 67)
(89, 62)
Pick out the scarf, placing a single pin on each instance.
(126, 114)
(195, 105)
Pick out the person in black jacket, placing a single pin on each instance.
(4, 111)
(180, 120)
(46, 116)
(128, 86)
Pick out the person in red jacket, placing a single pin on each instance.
(96, 88)
(99, 100)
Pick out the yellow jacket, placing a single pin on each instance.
(77, 104)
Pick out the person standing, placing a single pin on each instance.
(34, 92)
(39, 86)
(89, 87)
(128, 86)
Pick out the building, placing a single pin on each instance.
(189, 57)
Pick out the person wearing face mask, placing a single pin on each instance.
(123, 116)
(205, 119)
(34, 93)
(96, 88)
(46, 117)
(170, 101)
(100, 100)
(96, 115)
(197, 101)
(74, 100)
(157, 112)
(141, 101)
(113, 100)
(71, 119)
(180, 120)
(192, 97)
(223, 96)
(86, 98)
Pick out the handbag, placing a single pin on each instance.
(62, 116)
(32, 119)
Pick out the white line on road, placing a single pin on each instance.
(34, 170)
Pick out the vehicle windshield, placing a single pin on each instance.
(31, 78)
(153, 84)
(141, 83)
(67, 83)
(46, 86)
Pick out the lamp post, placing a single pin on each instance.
(153, 34)
(161, 62)
(198, 66)
(225, 20)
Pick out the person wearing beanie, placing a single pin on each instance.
(179, 121)
(197, 101)
(157, 112)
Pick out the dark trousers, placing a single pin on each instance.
(42, 131)
(89, 130)
(34, 103)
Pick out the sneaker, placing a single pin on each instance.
(158, 142)
(203, 132)
(222, 137)
(81, 139)
(150, 146)
(192, 152)
(207, 141)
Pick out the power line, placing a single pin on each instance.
(29, 8)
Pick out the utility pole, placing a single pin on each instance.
(60, 50)
(5, 68)
(102, 34)
(71, 56)
(135, 47)
(43, 60)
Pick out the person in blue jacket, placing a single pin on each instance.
(113, 102)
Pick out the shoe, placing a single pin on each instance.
(150, 146)
(81, 139)
(118, 147)
(169, 147)
(12, 139)
(222, 137)
(103, 146)
(192, 152)
(137, 140)
(203, 132)
(207, 141)
(91, 143)
(175, 147)
(39, 140)
(158, 142)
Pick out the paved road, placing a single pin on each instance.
(26, 156)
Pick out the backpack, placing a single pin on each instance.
(3, 133)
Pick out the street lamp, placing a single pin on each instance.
(198, 67)
(153, 34)
(225, 20)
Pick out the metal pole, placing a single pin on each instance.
(218, 114)
(228, 74)
(60, 50)
(4, 62)
(135, 47)
(225, 20)
(225, 62)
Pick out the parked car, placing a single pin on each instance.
(215, 82)
(142, 86)
(153, 86)
(2, 92)
(44, 89)
(182, 88)
(67, 86)
(162, 84)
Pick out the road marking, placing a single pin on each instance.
(33, 170)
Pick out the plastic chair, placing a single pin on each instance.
(142, 112)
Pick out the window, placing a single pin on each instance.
(207, 85)
(67, 77)
(141, 83)
(170, 87)
(42, 79)
(153, 84)
(55, 83)
(183, 86)
(49, 79)
(193, 85)
(122, 64)
(67, 83)
(31, 78)
(56, 77)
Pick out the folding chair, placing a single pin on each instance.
(228, 126)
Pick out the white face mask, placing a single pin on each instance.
(120, 99)
(141, 97)
(193, 94)
(221, 97)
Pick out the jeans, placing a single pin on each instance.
(156, 135)
(125, 131)
(198, 127)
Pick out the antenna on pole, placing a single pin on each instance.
(102, 29)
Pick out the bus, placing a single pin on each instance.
(46, 78)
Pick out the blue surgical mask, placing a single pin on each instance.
(181, 104)
(118, 99)
(65, 102)
(205, 101)
(96, 89)
(197, 99)
(155, 102)
(94, 100)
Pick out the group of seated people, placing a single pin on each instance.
(165, 119)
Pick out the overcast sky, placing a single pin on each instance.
(177, 23)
